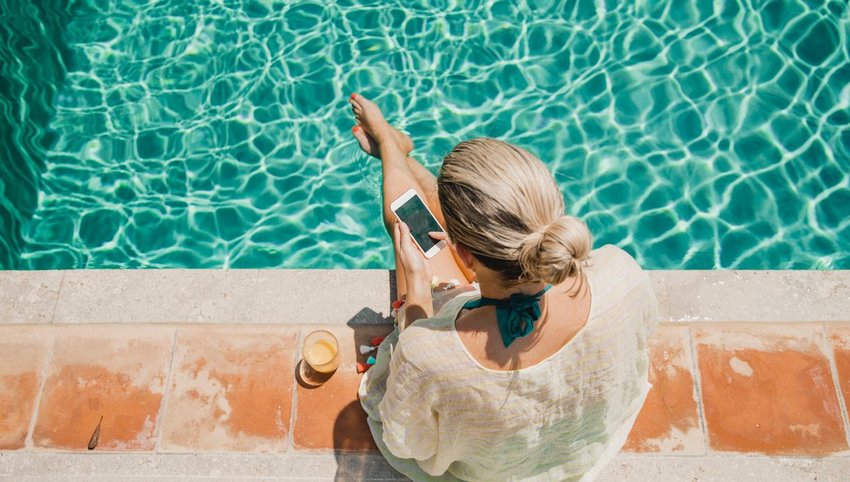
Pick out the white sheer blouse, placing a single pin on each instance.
(436, 413)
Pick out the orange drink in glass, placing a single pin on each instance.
(321, 357)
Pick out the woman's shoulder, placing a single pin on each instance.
(619, 281)
(611, 259)
(611, 269)
(426, 342)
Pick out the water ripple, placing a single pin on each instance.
(712, 134)
(33, 54)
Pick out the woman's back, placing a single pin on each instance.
(565, 311)
(562, 413)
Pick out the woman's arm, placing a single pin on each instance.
(419, 303)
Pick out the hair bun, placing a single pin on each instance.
(554, 252)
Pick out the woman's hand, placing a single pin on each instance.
(439, 236)
(417, 270)
(417, 275)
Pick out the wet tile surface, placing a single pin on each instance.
(669, 419)
(768, 389)
(840, 341)
(330, 416)
(23, 353)
(113, 372)
(231, 390)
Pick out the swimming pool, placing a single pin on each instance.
(215, 133)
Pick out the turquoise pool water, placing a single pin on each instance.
(215, 133)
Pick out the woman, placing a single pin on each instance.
(536, 374)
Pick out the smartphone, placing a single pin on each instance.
(410, 210)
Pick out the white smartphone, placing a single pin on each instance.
(409, 209)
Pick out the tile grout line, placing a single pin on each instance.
(293, 406)
(698, 391)
(833, 367)
(36, 408)
(58, 294)
(169, 378)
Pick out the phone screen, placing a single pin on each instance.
(420, 221)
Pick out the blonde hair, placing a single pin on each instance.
(502, 204)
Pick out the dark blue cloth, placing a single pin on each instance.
(516, 315)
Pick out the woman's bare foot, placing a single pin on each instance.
(370, 147)
(374, 128)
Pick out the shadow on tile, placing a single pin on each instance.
(368, 316)
(356, 453)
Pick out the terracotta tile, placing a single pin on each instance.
(231, 389)
(768, 389)
(840, 338)
(669, 419)
(118, 373)
(23, 353)
(330, 416)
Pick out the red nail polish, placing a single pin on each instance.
(352, 96)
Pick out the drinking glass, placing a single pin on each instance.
(321, 357)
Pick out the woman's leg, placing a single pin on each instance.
(398, 178)
(428, 183)
(424, 178)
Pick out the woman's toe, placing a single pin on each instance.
(362, 139)
(360, 99)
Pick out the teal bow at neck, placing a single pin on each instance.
(516, 315)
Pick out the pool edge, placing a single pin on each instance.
(364, 296)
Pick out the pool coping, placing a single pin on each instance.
(330, 465)
(263, 296)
